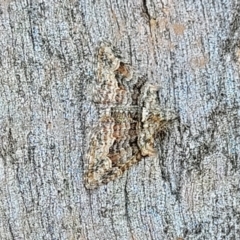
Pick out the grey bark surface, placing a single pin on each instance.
(48, 50)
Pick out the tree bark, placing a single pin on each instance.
(48, 60)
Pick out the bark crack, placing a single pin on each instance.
(145, 10)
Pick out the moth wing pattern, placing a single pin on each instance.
(128, 124)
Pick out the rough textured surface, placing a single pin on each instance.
(48, 61)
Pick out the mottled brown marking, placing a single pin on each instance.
(130, 120)
(178, 28)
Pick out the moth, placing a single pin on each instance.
(129, 120)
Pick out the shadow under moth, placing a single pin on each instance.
(129, 120)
